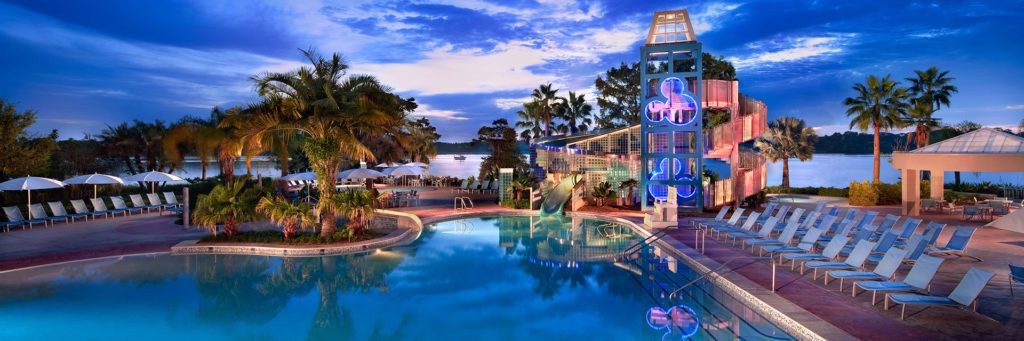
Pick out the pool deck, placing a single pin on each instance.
(1002, 315)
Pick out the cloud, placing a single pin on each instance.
(427, 111)
(710, 16)
(790, 50)
(1015, 107)
(936, 33)
(570, 10)
(511, 103)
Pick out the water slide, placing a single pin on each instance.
(555, 200)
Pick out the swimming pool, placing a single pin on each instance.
(407, 189)
(478, 279)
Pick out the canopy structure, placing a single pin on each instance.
(29, 183)
(152, 177)
(360, 173)
(983, 150)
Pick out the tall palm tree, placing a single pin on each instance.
(529, 121)
(575, 111)
(334, 111)
(919, 115)
(879, 105)
(786, 138)
(931, 90)
(545, 97)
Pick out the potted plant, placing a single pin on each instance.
(228, 205)
(629, 185)
(291, 216)
(603, 191)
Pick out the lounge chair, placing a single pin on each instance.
(36, 211)
(831, 251)
(747, 225)
(819, 207)
(883, 271)
(907, 228)
(796, 216)
(854, 261)
(718, 217)
(957, 244)
(784, 239)
(59, 211)
(807, 223)
(883, 227)
(82, 209)
(823, 226)
(171, 200)
(780, 214)
(883, 246)
(733, 220)
(119, 206)
(1016, 275)
(14, 216)
(11, 221)
(462, 187)
(964, 295)
(137, 202)
(931, 237)
(919, 278)
(970, 211)
(763, 233)
(806, 244)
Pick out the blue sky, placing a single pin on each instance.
(83, 64)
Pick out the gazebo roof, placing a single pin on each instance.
(981, 141)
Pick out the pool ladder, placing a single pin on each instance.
(462, 203)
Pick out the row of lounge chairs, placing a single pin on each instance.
(840, 246)
(58, 212)
(477, 187)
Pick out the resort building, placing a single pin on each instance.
(709, 166)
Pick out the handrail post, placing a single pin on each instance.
(703, 240)
(773, 276)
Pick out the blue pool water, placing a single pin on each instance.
(508, 278)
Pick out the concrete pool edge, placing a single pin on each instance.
(407, 229)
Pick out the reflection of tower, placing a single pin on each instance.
(670, 129)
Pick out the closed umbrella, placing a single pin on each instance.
(94, 180)
(153, 177)
(29, 183)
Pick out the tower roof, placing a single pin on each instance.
(671, 27)
(981, 141)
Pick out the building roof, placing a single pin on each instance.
(981, 141)
(671, 27)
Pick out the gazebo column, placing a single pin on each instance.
(911, 192)
(938, 184)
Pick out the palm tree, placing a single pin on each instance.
(229, 205)
(290, 216)
(575, 111)
(879, 105)
(335, 111)
(787, 137)
(529, 121)
(358, 205)
(931, 89)
(603, 191)
(545, 97)
(919, 115)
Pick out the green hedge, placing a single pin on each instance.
(863, 194)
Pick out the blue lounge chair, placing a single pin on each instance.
(718, 217)
(14, 217)
(805, 244)
(1016, 275)
(854, 261)
(59, 211)
(100, 206)
(747, 225)
(908, 227)
(883, 271)
(932, 236)
(735, 218)
(36, 211)
(784, 239)
(957, 244)
(831, 251)
(882, 247)
(138, 202)
(764, 232)
(964, 295)
(119, 204)
(81, 208)
(823, 226)
(780, 214)
(883, 227)
(795, 216)
(172, 203)
(919, 278)
(807, 223)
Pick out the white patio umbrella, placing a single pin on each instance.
(418, 164)
(360, 173)
(404, 170)
(94, 180)
(304, 176)
(29, 183)
(387, 165)
(153, 177)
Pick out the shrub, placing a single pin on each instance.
(755, 200)
(520, 204)
(826, 191)
(863, 194)
(834, 192)
(889, 194)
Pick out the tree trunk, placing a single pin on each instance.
(327, 190)
(248, 165)
(785, 172)
(878, 154)
(203, 164)
(230, 228)
(289, 229)
(956, 179)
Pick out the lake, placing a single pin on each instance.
(835, 170)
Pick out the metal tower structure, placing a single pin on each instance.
(670, 128)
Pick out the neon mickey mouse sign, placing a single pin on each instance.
(661, 172)
(679, 108)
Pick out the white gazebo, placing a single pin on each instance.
(983, 150)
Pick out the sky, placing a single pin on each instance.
(81, 65)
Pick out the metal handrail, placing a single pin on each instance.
(644, 242)
(709, 272)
